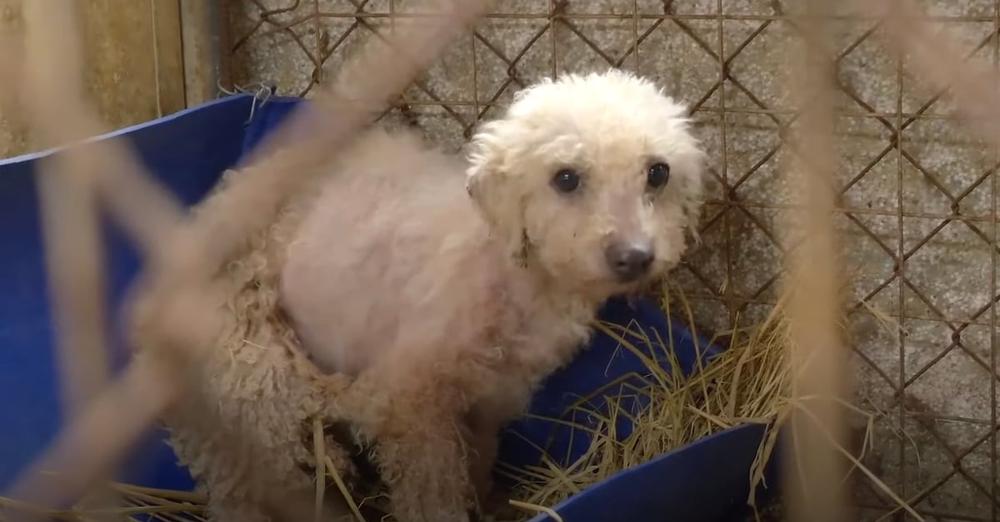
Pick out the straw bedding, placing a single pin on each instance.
(747, 383)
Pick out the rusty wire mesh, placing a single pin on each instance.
(917, 195)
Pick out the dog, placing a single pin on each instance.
(448, 298)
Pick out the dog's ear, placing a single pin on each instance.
(491, 185)
(694, 190)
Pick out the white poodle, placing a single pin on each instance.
(447, 298)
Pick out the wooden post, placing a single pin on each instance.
(204, 33)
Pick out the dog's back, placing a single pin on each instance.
(390, 253)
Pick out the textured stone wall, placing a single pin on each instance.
(918, 195)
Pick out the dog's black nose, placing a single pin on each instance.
(629, 262)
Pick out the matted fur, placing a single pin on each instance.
(435, 295)
(240, 426)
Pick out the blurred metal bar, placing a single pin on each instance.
(815, 470)
(71, 225)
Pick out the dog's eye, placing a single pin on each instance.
(566, 180)
(658, 175)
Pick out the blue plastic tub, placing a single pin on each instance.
(706, 481)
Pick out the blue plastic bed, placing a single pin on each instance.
(704, 482)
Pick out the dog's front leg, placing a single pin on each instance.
(483, 441)
(484, 422)
(423, 459)
(418, 444)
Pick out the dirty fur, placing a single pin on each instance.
(420, 298)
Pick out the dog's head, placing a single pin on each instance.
(593, 179)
